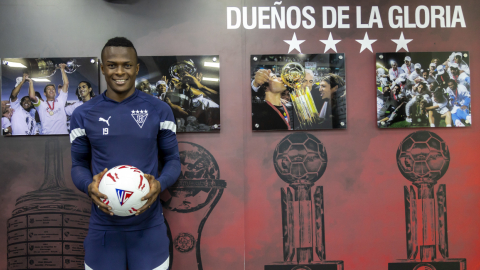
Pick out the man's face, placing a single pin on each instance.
(451, 85)
(120, 68)
(27, 104)
(325, 90)
(435, 61)
(162, 88)
(394, 65)
(275, 84)
(425, 75)
(417, 70)
(50, 92)
(432, 68)
(455, 71)
(458, 59)
(83, 90)
(307, 81)
(420, 88)
(144, 86)
(408, 62)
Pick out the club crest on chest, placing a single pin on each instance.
(140, 117)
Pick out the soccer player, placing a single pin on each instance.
(439, 108)
(84, 93)
(394, 72)
(408, 67)
(52, 111)
(460, 99)
(23, 120)
(124, 126)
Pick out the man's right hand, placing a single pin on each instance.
(261, 76)
(96, 195)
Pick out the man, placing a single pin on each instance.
(308, 80)
(162, 88)
(394, 72)
(417, 73)
(439, 108)
(139, 129)
(460, 100)
(408, 67)
(381, 78)
(459, 77)
(52, 111)
(23, 120)
(84, 93)
(442, 77)
(144, 85)
(420, 96)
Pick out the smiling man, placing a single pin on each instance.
(22, 121)
(140, 129)
(84, 93)
(52, 110)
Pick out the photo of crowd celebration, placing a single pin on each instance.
(39, 95)
(189, 84)
(423, 89)
(298, 91)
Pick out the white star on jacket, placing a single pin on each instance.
(294, 44)
(402, 42)
(366, 43)
(330, 43)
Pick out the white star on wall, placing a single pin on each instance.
(294, 44)
(366, 43)
(330, 43)
(402, 42)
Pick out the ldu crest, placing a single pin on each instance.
(140, 117)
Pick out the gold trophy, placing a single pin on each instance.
(292, 75)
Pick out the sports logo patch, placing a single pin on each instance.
(123, 195)
(140, 117)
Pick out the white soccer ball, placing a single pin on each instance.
(124, 186)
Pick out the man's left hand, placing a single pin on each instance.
(151, 197)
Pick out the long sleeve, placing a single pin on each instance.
(81, 174)
(171, 167)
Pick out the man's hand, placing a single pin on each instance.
(193, 80)
(24, 77)
(62, 66)
(164, 78)
(261, 76)
(464, 108)
(151, 197)
(96, 195)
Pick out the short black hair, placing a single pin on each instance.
(92, 94)
(453, 81)
(119, 42)
(50, 84)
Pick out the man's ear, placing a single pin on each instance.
(101, 68)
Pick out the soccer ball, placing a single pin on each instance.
(423, 157)
(300, 158)
(124, 186)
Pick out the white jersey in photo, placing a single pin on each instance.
(408, 69)
(70, 108)
(52, 115)
(442, 107)
(22, 121)
(395, 73)
(6, 123)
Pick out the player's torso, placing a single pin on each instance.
(123, 134)
(22, 123)
(53, 117)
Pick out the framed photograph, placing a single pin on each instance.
(189, 84)
(298, 92)
(39, 95)
(423, 89)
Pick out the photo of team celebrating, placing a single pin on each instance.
(188, 84)
(298, 91)
(38, 96)
(423, 89)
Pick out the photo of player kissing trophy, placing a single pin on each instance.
(423, 158)
(423, 89)
(300, 159)
(39, 95)
(298, 92)
(190, 85)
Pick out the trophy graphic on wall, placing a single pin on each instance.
(40, 67)
(48, 225)
(300, 159)
(423, 159)
(190, 201)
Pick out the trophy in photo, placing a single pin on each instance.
(40, 67)
(300, 159)
(48, 225)
(292, 75)
(423, 158)
(189, 202)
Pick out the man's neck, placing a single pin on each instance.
(273, 98)
(50, 99)
(119, 96)
(87, 98)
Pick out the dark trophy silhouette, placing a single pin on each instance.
(423, 159)
(300, 159)
(189, 203)
(48, 225)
